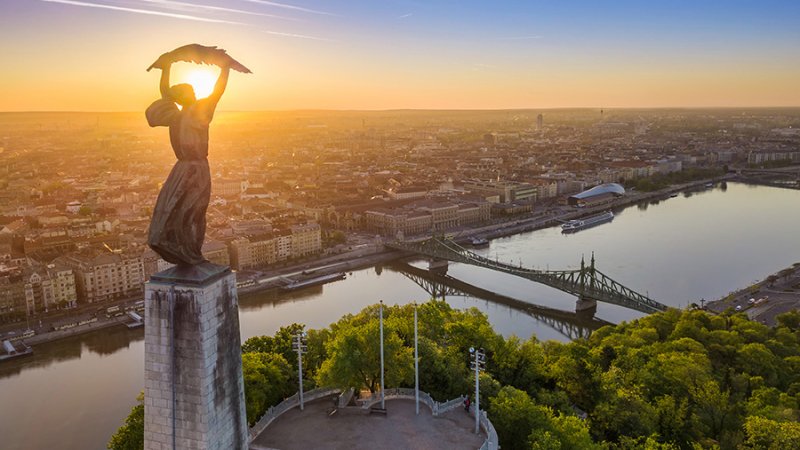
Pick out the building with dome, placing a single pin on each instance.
(598, 195)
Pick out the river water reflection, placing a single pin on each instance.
(75, 393)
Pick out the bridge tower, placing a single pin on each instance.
(585, 304)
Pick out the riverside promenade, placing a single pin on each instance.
(356, 429)
(773, 296)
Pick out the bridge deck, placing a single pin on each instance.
(587, 283)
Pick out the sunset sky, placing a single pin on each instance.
(91, 55)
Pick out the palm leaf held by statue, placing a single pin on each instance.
(199, 54)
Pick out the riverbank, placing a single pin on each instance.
(265, 281)
(370, 255)
(552, 218)
(766, 299)
(52, 336)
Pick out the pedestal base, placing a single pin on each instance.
(194, 392)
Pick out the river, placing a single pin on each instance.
(75, 393)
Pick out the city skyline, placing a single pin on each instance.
(406, 55)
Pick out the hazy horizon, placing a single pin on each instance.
(91, 55)
(566, 108)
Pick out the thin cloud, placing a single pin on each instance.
(287, 6)
(480, 67)
(295, 35)
(520, 38)
(404, 16)
(141, 11)
(178, 4)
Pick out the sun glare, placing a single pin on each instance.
(202, 80)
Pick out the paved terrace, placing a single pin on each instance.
(353, 429)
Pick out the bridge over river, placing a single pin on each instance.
(573, 325)
(587, 283)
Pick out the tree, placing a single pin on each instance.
(266, 382)
(520, 364)
(522, 424)
(130, 436)
(514, 416)
(773, 404)
(354, 356)
(790, 320)
(442, 374)
(281, 343)
(766, 434)
(564, 432)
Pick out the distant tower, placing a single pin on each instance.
(539, 122)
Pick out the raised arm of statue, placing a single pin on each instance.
(164, 84)
(162, 112)
(209, 104)
(222, 83)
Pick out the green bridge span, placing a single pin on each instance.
(587, 283)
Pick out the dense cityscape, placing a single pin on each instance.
(314, 224)
(77, 193)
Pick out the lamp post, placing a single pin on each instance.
(383, 399)
(300, 345)
(416, 361)
(478, 364)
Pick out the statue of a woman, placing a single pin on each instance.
(178, 227)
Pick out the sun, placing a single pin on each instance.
(201, 77)
(202, 80)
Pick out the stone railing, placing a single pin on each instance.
(275, 411)
(450, 405)
(408, 394)
(345, 397)
(491, 442)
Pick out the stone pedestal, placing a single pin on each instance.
(194, 392)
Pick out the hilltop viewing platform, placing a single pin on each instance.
(355, 428)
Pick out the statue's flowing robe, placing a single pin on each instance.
(178, 227)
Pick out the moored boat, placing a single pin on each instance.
(579, 224)
(15, 350)
(479, 242)
(313, 281)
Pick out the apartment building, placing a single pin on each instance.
(106, 275)
(306, 239)
(249, 252)
(29, 290)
